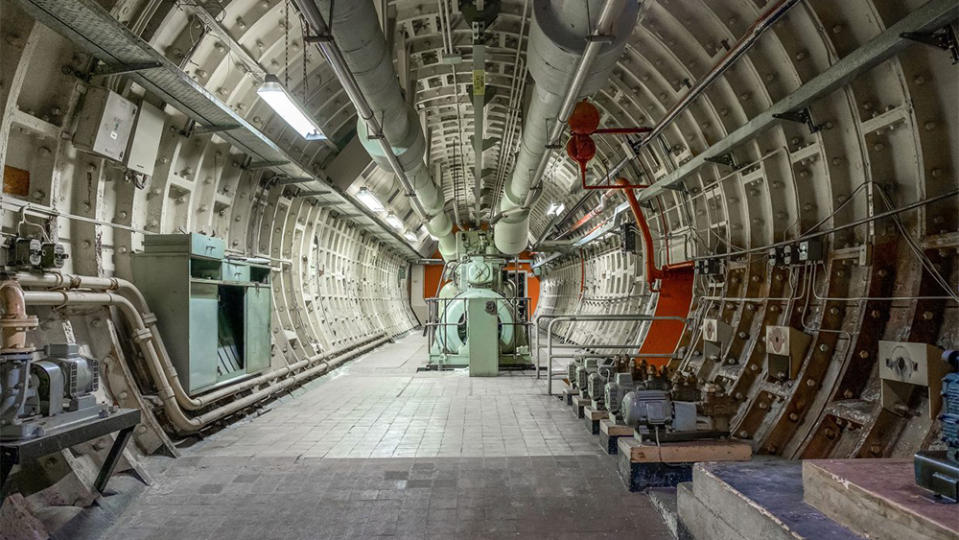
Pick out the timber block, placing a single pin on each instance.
(568, 394)
(609, 433)
(592, 418)
(647, 465)
(877, 498)
(578, 404)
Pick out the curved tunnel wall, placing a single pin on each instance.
(893, 129)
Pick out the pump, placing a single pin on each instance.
(479, 320)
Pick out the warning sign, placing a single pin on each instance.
(479, 82)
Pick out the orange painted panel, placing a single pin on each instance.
(675, 296)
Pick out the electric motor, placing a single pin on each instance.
(616, 390)
(595, 384)
(647, 407)
(571, 371)
(582, 376)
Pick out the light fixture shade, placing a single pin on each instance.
(282, 102)
(369, 200)
(394, 221)
(412, 238)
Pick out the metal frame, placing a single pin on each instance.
(20, 451)
(574, 317)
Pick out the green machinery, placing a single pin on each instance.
(213, 312)
(480, 319)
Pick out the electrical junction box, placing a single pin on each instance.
(790, 255)
(716, 331)
(716, 334)
(143, 148)
(629, 240)
(775, 256)
(810, 250)
(904, 365)
(785, 350)
(709, 267)
(104, 124)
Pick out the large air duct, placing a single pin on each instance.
(568, 56)
(356, 33)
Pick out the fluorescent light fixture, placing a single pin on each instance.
(369, 200)
(412, 238)
(555, 209)
(394, 221)
(288, 109)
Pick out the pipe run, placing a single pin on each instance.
(560, 30)
(127, 298)
(388, 127)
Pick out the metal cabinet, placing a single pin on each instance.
(257, 306)
(214, 314)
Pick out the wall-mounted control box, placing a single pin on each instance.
(104, 124)
(785, 350)
(903, 366)
(144, 145)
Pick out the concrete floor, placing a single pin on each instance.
(377, 449)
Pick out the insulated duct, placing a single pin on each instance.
(565, 54)
(360, 43)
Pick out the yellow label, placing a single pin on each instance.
(479, 82)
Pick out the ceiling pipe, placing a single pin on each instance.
(387, 126)
(557, 43)
(758, 28)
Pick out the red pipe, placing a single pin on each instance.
(652, 273)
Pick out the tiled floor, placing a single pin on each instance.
(377, 449)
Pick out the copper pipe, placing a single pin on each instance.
(15, 322)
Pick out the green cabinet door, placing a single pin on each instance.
(256, 328)
(203, 336)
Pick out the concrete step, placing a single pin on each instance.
(664, 500)
(761, 499)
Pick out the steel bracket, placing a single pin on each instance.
(123, 68)
(944, 38)
(211, 129)
(289, 180)
(801, 116)
(254, 165)
(726, 159)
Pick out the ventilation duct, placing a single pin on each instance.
(567, 55)
(356, 32)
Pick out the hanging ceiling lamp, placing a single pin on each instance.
(282, 102)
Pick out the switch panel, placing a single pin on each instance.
(903, 366)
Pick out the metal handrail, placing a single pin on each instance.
(579, 316)
(594, 317)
